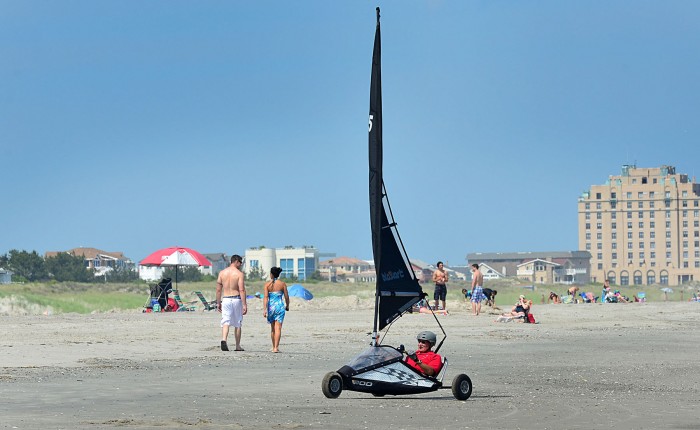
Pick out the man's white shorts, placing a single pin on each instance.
(231, 312)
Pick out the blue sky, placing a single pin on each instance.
(221, 125)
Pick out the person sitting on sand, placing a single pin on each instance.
(620, 298)
(553, 298)
(522, 306)
(424, 359)
(467, 295)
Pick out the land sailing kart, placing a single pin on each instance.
(380, 369)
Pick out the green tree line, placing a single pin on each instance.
(32, 267)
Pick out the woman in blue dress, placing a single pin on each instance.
(273, 307)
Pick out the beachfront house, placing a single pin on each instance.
(219, 261)
(299, 263)
(5, 276)
(557, 267)
(98, 260)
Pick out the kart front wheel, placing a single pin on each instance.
(461, 387)
(332, 385)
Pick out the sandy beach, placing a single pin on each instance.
(582, 366)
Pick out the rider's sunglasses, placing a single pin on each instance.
(423, 341)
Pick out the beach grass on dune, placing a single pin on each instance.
(87, 298)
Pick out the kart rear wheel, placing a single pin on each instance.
(461, 387)
(332, 385)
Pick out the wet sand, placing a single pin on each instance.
(593, 366)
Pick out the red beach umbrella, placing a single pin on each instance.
(175, 256)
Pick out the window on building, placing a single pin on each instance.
(613, 226)
(667, 203)
(651, 204)
(668, 224)
(667, 194)
(588, 236)
(587, 216)
(652, 255)
(630, 255)
(597, 196)
(685, 264)
(641, 224)
(613, 215)
(587, 206)
(599, 225)
(684, 193)
(600, 265)
(637, 279)
(588, 226)
(598, 215)
(652, 245)
(668, 235)
(599, 236)
(613, 245)
(652, 215)
(599, 206)
(629, 195)
(685, 203)
(663, 279)
(301, 270)
(600, 256)
(614, 255)
(629, 235)
(613, 235)
(652, 193)
(685, 214)
(651, 279)
(696, 203)
(613, 205)
(668, 245)
(640, 214)
(640, 195)
(697, 264)
(696, 214)
(629, 205)
(641, 245)
(624, 280)
(668, 255)
(685, 233)
(640, 205)
(668, 214)
(599, 245)
(287, 266)
(588, 247)
(613, 195)
(685, 224)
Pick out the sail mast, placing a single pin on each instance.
(375, 162)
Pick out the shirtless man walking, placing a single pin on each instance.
(233, 304)
(440, 278)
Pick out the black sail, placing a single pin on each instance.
(397, 286)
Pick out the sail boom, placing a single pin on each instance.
(399, 294)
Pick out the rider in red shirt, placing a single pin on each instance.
(424, 360)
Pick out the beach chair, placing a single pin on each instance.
(184, 306)
(208, 306)
(567, 299)
(159, 293)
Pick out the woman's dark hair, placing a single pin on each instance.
(276, 271)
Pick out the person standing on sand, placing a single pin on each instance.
(233, 303)
(477, 289)
(440, 278)
(273, 308)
